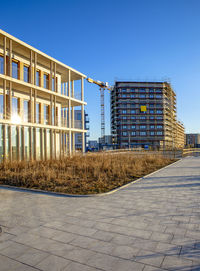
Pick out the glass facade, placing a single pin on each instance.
(46, 114)
(37, 113)
(38, 147)
(52, 84)
(14, 142)
(1, 106)
(26, 143)
(1, 64)
(45, 81)
(48, 143)
(37, 78)
(26, 109)
(15, 69)
(1, 142)
(26, 74)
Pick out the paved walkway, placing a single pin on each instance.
(150, 225)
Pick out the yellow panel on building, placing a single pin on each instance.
(143, 108)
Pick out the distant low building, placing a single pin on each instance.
(106, 142)
(193, 140)
(93, 145)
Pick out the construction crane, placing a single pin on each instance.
(103, 86)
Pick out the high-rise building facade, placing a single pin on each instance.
(143, 114)
(38, 97)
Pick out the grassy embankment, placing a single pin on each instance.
(89, 174)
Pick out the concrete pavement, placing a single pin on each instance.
(151, 225)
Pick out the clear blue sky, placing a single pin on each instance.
(117, 39)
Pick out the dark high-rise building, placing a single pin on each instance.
(143, 114)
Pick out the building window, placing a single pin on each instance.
(132, 95)
(152, 126)
(26, 143)
(37, 78)
(38, 145)
(1, 64)
(46, 114)
(142, 96)
(26, 74)
(26, 111)
(151, 118)
(52, 84)
(123, 89)
(133, 133)
(151, 111)
(133, 117)
(159, 117)
(151, 96)
(124, 127)
(159, 111)
(151, 90)
(133, 111)
(15, 69)
(152, 133)
(158, 96)
(159, 133)
(14, 142)
(52, 116)
(143, 133)
(123, 95)
(143, 117)
(1, 106)
(124, 133)
(124, 111)
(1, 143)
(159, 90)
(151, 105)
(132, 126)
(124, 117)
(143, 127)
(37, 113)
(46, 81)
(15, 110)
(159, 126)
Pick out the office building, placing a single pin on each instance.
(143, 114)
(38, 97)
(193, 140)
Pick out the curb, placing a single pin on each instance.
(50, 193)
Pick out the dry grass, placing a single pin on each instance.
(87, 174)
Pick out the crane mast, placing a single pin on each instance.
(103, 86)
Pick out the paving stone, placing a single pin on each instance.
(176, 263)
(14, 250)
(152, 268)
(80, 255)
(149, 257)
(8, 264)
(78, 267)
(32, 256)
(107, 262)
(53, 263)
(125, 252)
(168, 249)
